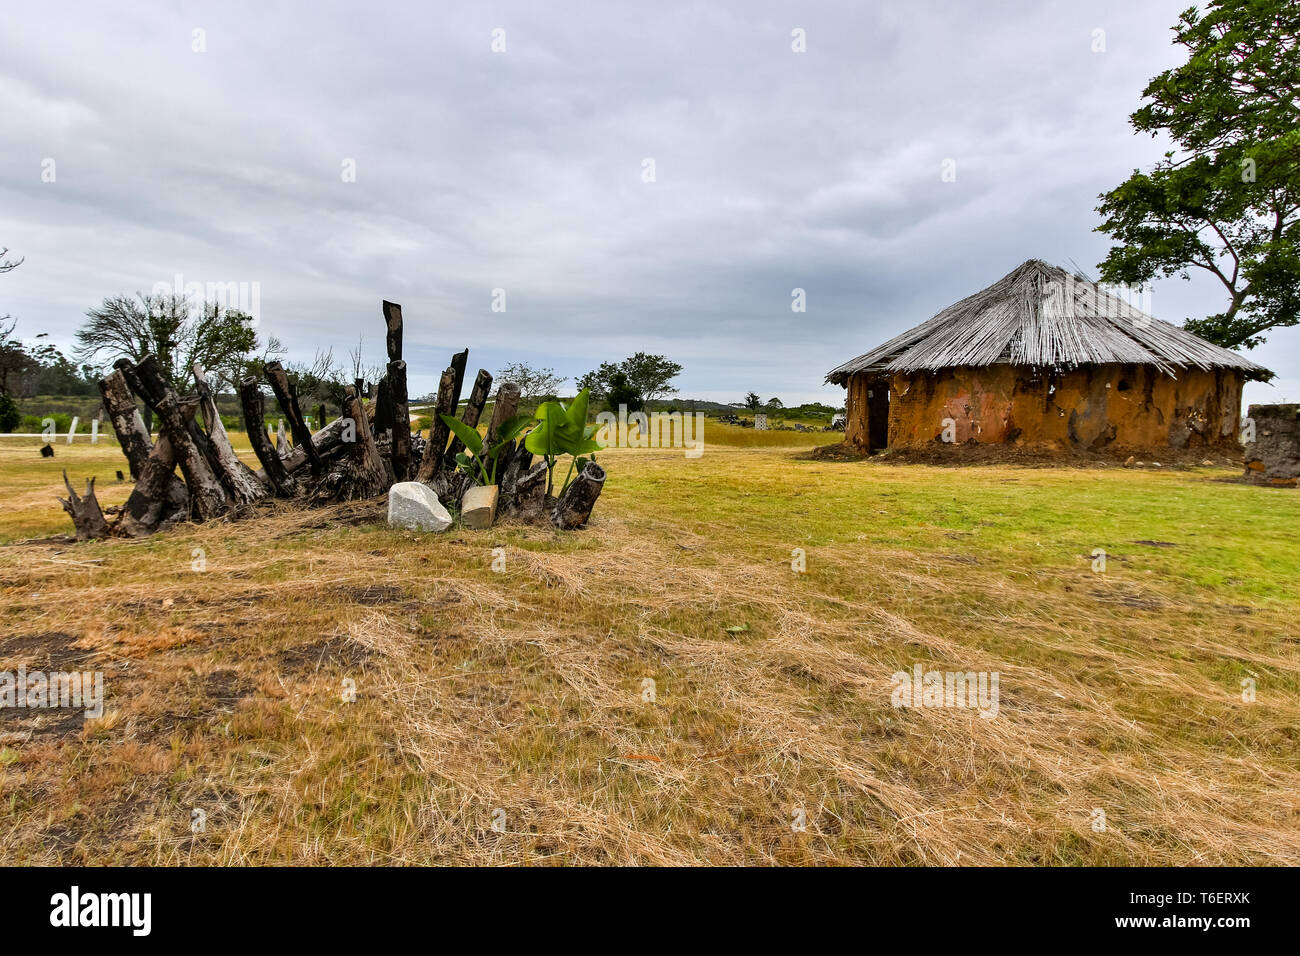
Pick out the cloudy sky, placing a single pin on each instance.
(525, 170)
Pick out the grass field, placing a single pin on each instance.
(517, 701)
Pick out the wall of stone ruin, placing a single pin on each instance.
(1273, 456)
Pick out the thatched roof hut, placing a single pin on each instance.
(1045, 357)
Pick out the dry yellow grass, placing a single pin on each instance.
(523, 691)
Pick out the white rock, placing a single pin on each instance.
(415, 507)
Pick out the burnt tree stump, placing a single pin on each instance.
(287, 396)
(273, 466)
(126, 419)
(431, 463)
(87, 517)
(401, 412)
(575, 504)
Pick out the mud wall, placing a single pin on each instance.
(1093, 407)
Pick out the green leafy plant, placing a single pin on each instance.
(481, 463)
(563, 431)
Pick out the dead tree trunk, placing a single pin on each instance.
(401, 447)
(127, 368)
(287, 396)
(87, 518)
(159, 499)
(208, 497)
(503, 409)
(362, 473)
(383, 417)
(458, 362)
(393, 320)
(244, 486)
(473, 411)
(431, 463)
(514, 465)
(126, 419)
(254, 407)
(575, 504)
(529, 493)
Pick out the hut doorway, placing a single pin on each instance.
(878, 412)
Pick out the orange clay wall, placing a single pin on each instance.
(1093, 407)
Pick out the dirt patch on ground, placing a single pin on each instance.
(227, 686)
(51, 651)
(43, 723)
(330, 652)
(374, 594)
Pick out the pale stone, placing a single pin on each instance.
(415, 507)
(478, 509)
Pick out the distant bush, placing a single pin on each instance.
(9, 414)
(36, 423)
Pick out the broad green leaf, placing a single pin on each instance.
(470, 436)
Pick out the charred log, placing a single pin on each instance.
(127, 421)
(287, 396)
(273, 466)
(575, 503)
(401, 410)
(431, 463)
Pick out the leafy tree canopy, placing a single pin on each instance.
(1226, 200)
(639, 379)
(222, 341)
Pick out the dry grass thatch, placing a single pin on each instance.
(1043, 316)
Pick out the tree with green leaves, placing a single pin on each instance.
(753, 402)
(222, 341)
(638, 379)
(534, 382)
(1226, 199)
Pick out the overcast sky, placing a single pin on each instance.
(524, 170)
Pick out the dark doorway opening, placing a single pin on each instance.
(878, 413)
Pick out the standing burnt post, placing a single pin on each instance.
(458, 363)
(399, 405)
(160, 498)
(383, 418)
(431, 464)
(401, 447)
(127, 368)
(362, 471)
(126, 419)
(287, 396)
(254, 407)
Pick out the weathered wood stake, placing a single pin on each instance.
(287, 396)
(254, 408)
(126, 419)
(431, 463)
(575, 504)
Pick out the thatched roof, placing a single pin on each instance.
(1043, 316)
